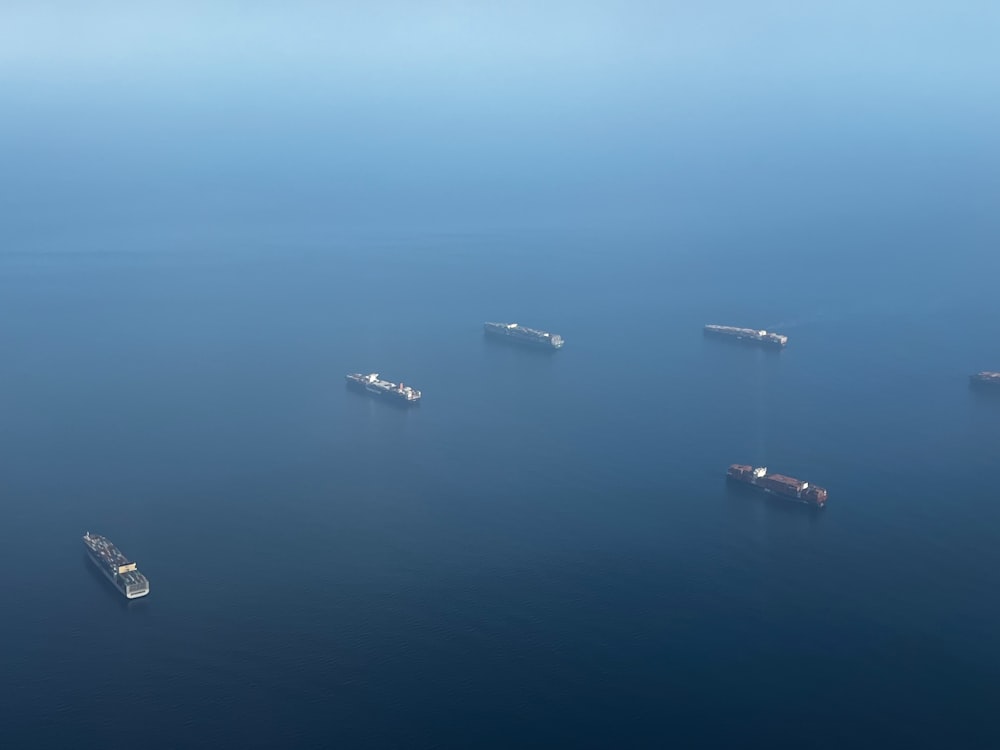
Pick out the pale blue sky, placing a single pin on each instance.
(445, 107)
(904, 40)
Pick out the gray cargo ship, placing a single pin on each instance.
(116, 567)
(519, 334)
(748, 335)
(373, 386)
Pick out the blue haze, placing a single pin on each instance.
(208, 217)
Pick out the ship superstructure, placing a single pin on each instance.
(374, 386)
(116, 567)
(778, 484)
(521, 334)
(749, 335)
(986, 377)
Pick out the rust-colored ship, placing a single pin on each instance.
(778, 484)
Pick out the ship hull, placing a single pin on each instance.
(789, 496)
(532, 342)
(985, 385)
(745, 339)
(113, 579)
(541, 346)
(381, 394)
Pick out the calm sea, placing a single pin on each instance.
(545, 552)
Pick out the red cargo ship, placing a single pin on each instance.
(778, 484)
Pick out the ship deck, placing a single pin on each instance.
(105, 550)
(133, 578)
(519, 329)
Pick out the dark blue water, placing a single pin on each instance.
(544, 553)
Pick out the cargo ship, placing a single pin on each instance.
(779, 485)
(748, 335)
(521, 335)
(116, 567)
(985, 378)
(373, 386)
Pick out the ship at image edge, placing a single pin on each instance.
(372, 385)
(787, 488)
(519, 334)
(986, 378)
(748, 335)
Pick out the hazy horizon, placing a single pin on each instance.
(599, 114)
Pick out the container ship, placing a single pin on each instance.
(521, 335)
(985, 378)
(372, 385)
(749, 335)
(116, 567)
(788, 488)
